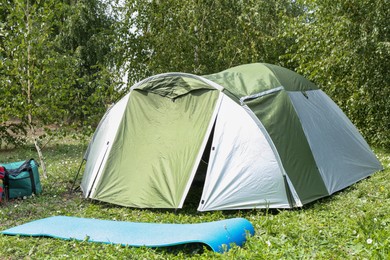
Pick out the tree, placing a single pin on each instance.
(344, 48)
(200, 37)
(86, 35)
(26, 61)
(11, 131)
(54, 67)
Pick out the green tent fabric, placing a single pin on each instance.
(169, 136)
(252, 136)
(292, 146)
(251, 79)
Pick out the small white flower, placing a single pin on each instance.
(369, 241)
(268, 243)
(375, 220)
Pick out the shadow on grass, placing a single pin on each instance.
(189, 249)
(190, 210)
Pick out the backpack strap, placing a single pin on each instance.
(33, 188)
(26, 166)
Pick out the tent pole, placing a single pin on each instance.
(77, 175)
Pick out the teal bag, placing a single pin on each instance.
(22, 179)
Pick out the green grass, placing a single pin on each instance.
(352, 224)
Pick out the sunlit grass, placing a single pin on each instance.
(352, 224)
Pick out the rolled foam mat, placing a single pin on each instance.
(218, 235)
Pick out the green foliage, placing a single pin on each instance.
(71, 54)
(199, 37)
(352, 224)
(25, 41)
(55, 66)
(86, 36)
(344, 48)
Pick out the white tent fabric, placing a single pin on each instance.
(240, 157)
(101, 141)
(343, 153)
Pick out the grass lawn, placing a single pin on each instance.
(352, 224)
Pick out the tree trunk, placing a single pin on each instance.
(29, 95)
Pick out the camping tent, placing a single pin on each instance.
(256, 136)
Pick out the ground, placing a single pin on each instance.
(352, 224)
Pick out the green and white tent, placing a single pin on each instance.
(266, 136)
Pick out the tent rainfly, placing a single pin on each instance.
(256, 136)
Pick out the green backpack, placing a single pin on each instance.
(22, 179)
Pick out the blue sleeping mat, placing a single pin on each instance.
(213, 234)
